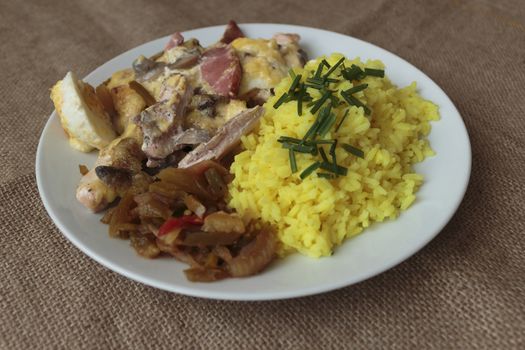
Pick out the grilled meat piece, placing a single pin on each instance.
(226, 138)
(122, 155)
(221, 69)
(162, 122)
(231, 33)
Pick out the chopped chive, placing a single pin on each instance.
(334, 100)
(332, 80)
(313, 167)
(293, 163)
(334, 168)
(292, 73)
(320, 102)
(300, 103)
(353, 73)
(315, 81)
(341, 121)
(323, 142)
(323, 155)
(332, 153)
(355, 89)
(315, 86)
(375, 72)
(355, 151)
(295, 82)
(280, 101)
(300, 148)
(288, 139)
(307, 97)
(319, 70)
(324, 112)
(328, 122)
(352, 101)
(334, 67)
(325, 62)
(326, 175)
(332, 148)
(311, 132)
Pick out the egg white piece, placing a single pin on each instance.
(81, 114)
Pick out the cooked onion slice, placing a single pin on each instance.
(254, 257)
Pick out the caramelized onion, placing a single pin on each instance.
(200, 238)
(255, 256)
(105, 98)
(198, 274)
(223, 222)
(144, 245)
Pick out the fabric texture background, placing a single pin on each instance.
(465, 290)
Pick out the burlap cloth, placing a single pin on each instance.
(466, 289)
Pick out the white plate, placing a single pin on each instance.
(379, 248)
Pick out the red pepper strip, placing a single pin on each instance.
(181, 222)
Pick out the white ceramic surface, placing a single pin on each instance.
(379, 248)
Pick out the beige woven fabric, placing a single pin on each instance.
(466, 289)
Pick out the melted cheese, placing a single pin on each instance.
(262, 63)
(224, 112)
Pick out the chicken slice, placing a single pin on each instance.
(226, 138)
(162, 123)
(119, 165)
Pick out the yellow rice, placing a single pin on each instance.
(314, 215)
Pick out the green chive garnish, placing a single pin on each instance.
(334, 101)
(328, 176)
(355, 89)
(293, 163)
(295, 82)
(315, 81)
(288, 139)
(312, 131)
(352, 101)
(323, 142)
(341, 121)
(300, 148)
(280, 101)
(310, 170)
(300, 103)
(334, 168)
(319, 71)
(375, 72)
(324, 118)
(328, 122)
(353, 73)
(334, 67)
(355, 151)
(315, 86)
(332, 149)
(323, 155)
(320, 102)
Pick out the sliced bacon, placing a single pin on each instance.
(176, 39)
(221, 69)
(231, 33)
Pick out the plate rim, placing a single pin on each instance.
(279, 295)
